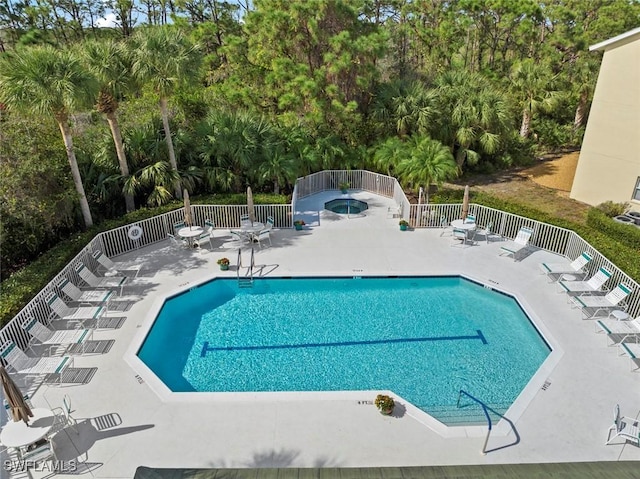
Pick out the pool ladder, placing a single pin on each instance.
(245, 281)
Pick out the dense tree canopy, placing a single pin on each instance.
(214, 95)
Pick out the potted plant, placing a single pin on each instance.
(344, 186)
(298, 224)
(224, 264)
(385, 404)
(404, 224)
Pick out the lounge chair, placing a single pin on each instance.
(623, 427)
(92, 296)
(49, 337)
(593, 285)
(520, 243)
(111, 282)
(633, 351)
(619, 331)
(558, 270)
(596, 304)
(23, 364)
(113, 268)
(80, 314)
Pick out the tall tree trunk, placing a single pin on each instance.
(167, 137)
(75, 171)
(122, 158)
(276, 187)
(581, 110)
(526, 123)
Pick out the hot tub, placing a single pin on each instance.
(346, 206)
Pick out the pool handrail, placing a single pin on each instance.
(486, 414)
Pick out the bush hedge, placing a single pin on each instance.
(627, 235)
(17, 290)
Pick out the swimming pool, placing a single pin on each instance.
(423, 338)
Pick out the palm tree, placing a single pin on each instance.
(163, 59)
(531, 83)
(427, 162)
(48, 81)
(110, 62)
(474, 116)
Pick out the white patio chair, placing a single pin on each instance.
(264, 235)
(270, 223)
(111, 282)
(596, 304)
(113, 268)
(445, 225)
(206, 235)
(557, 270)
(245, 220)
(618, 331)
(520, 243)
(593, 285)
(462, 236)
(59, 337)
(470, 218)
(23, 364)
(64, 419)
(91, 296)
(623, 427)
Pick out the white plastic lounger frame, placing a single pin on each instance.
(618, 331)
(633, 351)
(613, 299)
(594, 284)
(112, 282)
(91, 296)
(46, 336)
(79, 314)
(115, 268)
(23, 364)
(520, 243)
(623, 427)
(555, 271)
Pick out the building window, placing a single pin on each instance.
(636, 192)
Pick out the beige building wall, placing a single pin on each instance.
(609, 164)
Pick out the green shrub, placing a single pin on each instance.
(612, 209)
(625, 234)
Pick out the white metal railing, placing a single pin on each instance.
(547, 237)
(117, 241)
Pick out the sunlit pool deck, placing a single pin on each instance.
(127, 420)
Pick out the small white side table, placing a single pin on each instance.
(619, 315)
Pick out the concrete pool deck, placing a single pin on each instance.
(124, 423)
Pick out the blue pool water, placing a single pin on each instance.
(423, 338)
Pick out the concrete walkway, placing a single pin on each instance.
(126, 419)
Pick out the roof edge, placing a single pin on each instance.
(611, 41)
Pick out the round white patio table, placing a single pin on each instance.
(250, 229)
(18, 434)
(619, 315)
(190, 232)
(460, 224)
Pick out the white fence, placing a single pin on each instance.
(117, 241)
